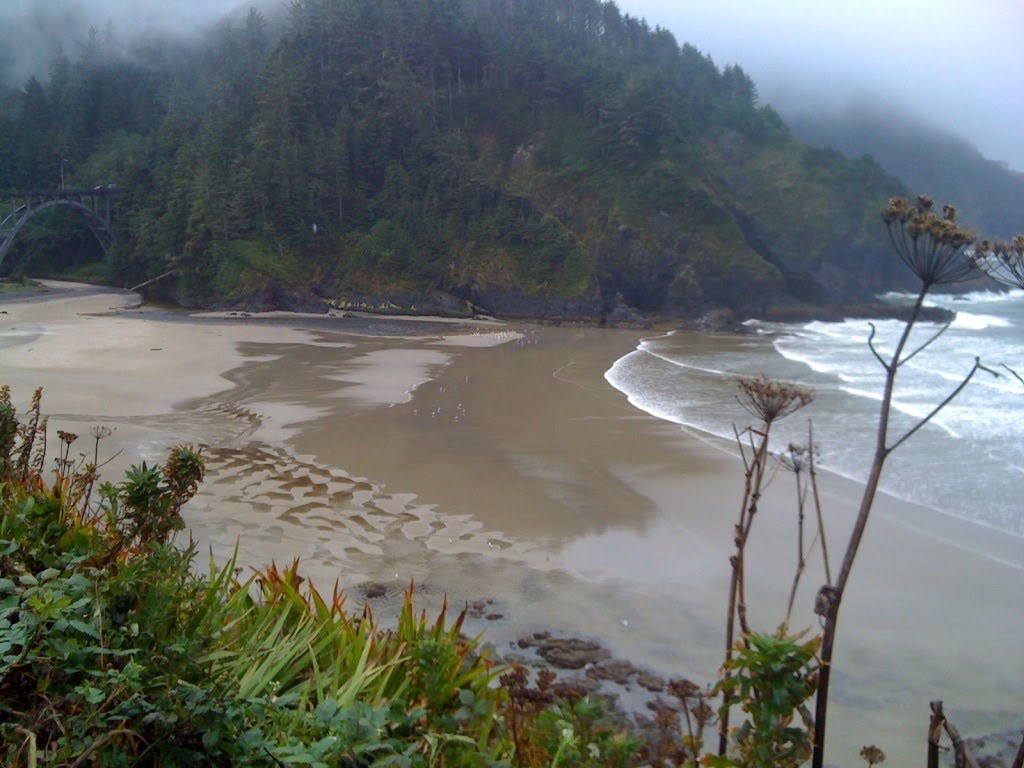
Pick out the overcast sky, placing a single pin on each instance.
(957, 63)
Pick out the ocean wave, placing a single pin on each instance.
(915, 410)
(1004, 384)
(976, 297)
(857, 330)
(969, 321)
(627, 375)
(815, 364)
(679, 363)
(950, 300)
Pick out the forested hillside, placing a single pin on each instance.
(990, 195)
(546, 158)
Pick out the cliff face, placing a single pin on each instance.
(536, 158)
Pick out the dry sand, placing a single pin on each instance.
(500, 465)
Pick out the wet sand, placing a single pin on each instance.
(500, 464)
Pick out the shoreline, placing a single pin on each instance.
(546, 492)
(978, 537)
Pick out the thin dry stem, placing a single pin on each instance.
(795, 461)
(768, 401)
(927, 344)
(812, 471)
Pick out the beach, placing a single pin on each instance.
(493, 462)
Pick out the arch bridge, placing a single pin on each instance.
(17, 208)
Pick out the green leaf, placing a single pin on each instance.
(326, 710)
(92, 695)
(84, 628)
(211, 738)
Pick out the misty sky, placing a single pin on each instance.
(957, 63)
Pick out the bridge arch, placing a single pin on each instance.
(23, 206)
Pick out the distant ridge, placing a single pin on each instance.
(989, 194)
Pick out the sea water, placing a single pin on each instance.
(968, 461)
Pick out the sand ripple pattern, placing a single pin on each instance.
(280, 506)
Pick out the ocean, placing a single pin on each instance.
(968, 462)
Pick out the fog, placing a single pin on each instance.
(34, 32)
(956, 64)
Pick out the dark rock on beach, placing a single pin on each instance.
(566, 652)
(374, 590)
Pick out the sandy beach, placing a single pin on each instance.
(493, 462)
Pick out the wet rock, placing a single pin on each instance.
(650, 681)
(270, 297)
(513, 302)
(374, 590)
(512, 657)
(622, 315)
(802, 313)
(535, 640)
(572, 653)
(617, 670)
(476, 609)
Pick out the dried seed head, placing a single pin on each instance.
(101, 432)
(683, 689)
(933, 247)
(896, 210)
(703, 713)
(796, 458)
(873, 755)
(768, 400)
(1002, 261)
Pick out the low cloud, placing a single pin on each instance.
(955, 64)
(34, 32)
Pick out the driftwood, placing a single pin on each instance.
(153, 280)
(934, 734)
(962, 755)
(1018, 761)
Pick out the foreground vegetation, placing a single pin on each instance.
(114, 652)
